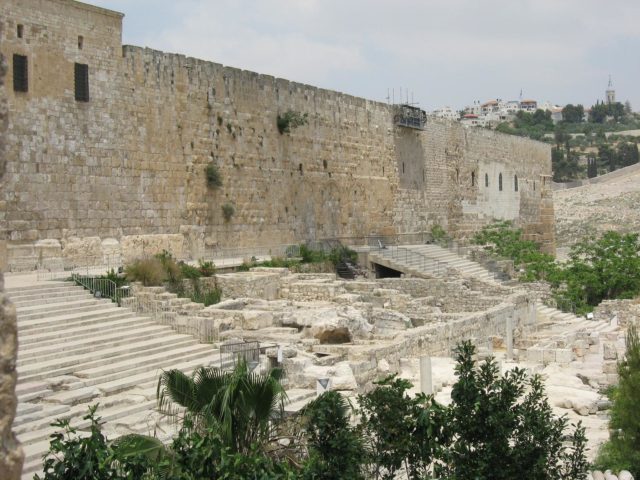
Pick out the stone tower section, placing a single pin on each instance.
(120, 172)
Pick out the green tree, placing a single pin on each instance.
(601, 268)
(607, 157)
(627, 154)
(401, 432)
(240, 404)
(622, 451)
(598, 113)
(335, 448)
(573, 113)
(505, 429)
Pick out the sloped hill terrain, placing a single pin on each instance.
(613, 204)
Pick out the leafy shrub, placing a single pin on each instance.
(207, 269)
(335, 448)
(244, 267)
(190, 272)
(113, 276)
(214, 179)
(72, 456)
(227, 211)
(149, 271)
(208, 297)
(290, 120)
(438, 234)
(172, 269)
(503, 240)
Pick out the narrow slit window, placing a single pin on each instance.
(20, 73)
(20, 30)
(80, 42)
(81, 80)
(515, 182)
(473, 179)
(486, 179)
(500, 182)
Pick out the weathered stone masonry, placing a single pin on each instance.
(124, 172)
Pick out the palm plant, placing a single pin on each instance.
(240, 405)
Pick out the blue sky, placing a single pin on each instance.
(446, 52)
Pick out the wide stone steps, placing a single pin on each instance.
(77, 351)
(432, 260)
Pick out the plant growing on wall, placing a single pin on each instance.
(290, 120)
(227, 211)
(214, 179)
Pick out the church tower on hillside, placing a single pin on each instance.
(611, 93)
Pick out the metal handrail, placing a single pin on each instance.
(102, 287)
(428, 264)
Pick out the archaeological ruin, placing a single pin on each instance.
(115, 153)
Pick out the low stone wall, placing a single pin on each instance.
(626, 311)
(440, 338)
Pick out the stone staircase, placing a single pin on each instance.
(75, 351)
(431, 260)
(556, 332)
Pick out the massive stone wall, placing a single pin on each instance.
(125, 172)
(11, 455)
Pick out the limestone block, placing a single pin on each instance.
(625, 475)
(387, 321)
(86, 251)
(598, 475)
(341, 375)
(288, 351)
(137, 246)
(564, 355)
(47, 249)
(111, 252)
(535, 355)
(339, 324)
(609, 351)
(609, 366)
(255, 319)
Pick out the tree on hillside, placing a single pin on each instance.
(607, 157)
(627, 154)
(627, 108)
(599, 269)
(573, 113)
(598, 113)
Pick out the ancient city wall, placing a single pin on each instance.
(11, 454)
(124, 173)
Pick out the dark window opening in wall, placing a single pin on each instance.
(486, 179)
(473, 179)
(500, 182)
(457, 175)
(534, 185)
(81, 81)
(324, 164)
(402, 167)
(80, 42)
(20, 73)
(515, 182)
(20, 30)
(300, 168)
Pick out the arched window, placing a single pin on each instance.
(473, 179)
(515, 182)
(500, 182)
(486, 179)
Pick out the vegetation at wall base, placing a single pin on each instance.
(622, 451)
(598, 269)
(498, 426)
